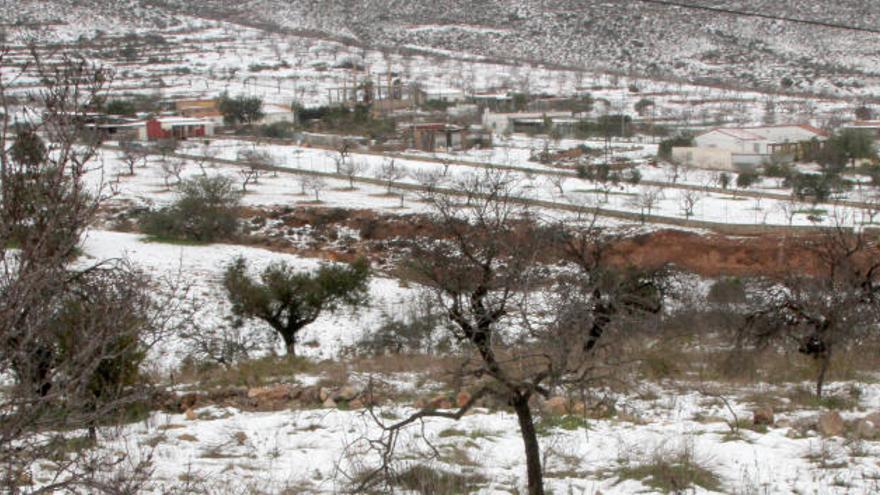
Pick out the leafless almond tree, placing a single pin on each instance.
(832, 307)
(72, 336)
(532, 329)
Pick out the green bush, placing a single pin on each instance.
(206, 210)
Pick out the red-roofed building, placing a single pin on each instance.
(736, 148)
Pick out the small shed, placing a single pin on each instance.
(176, 128)
(437, 137)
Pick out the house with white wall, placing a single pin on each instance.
(739, 148)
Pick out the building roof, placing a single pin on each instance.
(276, 109)
(863, 124)
(174, 120)
(762, 133)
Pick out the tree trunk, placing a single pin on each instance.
(825, 362)
(290, 345)
(530, 441)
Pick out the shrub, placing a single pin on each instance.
(206, 210)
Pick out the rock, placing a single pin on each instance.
(783, 423)
(324, 393)
(190, 415)
(557, 405)
(865, 429)
(440, 402)
(346, 393)
(329, 403)
(187, 437)
(763, 416)
(831, 424)
(356, 404)
(462, 399)
(310, 395)
(240, 437)
(874, 418)
(272, 394)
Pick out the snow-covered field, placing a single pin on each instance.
(200, 269)
(319, 450)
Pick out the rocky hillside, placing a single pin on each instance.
(609, 35)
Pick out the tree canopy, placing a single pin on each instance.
(288, 299)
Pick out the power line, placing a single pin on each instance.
(722, 10)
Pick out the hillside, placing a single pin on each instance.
(626, 37)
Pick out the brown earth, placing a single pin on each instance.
(709, 255)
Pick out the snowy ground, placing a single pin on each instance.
(313, 451)
(708, 206)
(201, 268)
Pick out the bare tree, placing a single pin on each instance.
(532, 329)
(343, 152)
(131, 156)
(249, 175)
(313, 184)
(647, 200)
(789, 208)
(172, 168)
(351, 169)
(72, 337)
(828, 308)
(688, 201)
(390, 173)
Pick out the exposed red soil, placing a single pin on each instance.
(708, 255)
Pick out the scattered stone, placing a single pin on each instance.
(324, 394)
(783, 423)
(557, 405)
(831, 424)
(240, 437)
(310, 395)
(865, 429)
(329, 403)
(190, 415)
(440, 402)
(274, 393)
(462, 399)
(346, 393)
(763, 416)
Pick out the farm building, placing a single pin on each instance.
(273, 114)
(743, 148)
(436, 137)
(869, 126)
(175, 128)
(528, 122)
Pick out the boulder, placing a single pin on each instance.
(346, 393)
(831, 424)
(324, 393)
(557, 405)
(274, 393)
(329, 403)
(865, 429)
(763, 416)
(190, 415)
(310, 395)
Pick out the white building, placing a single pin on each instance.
(500, 123)
(272, 114)
(739, 148)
